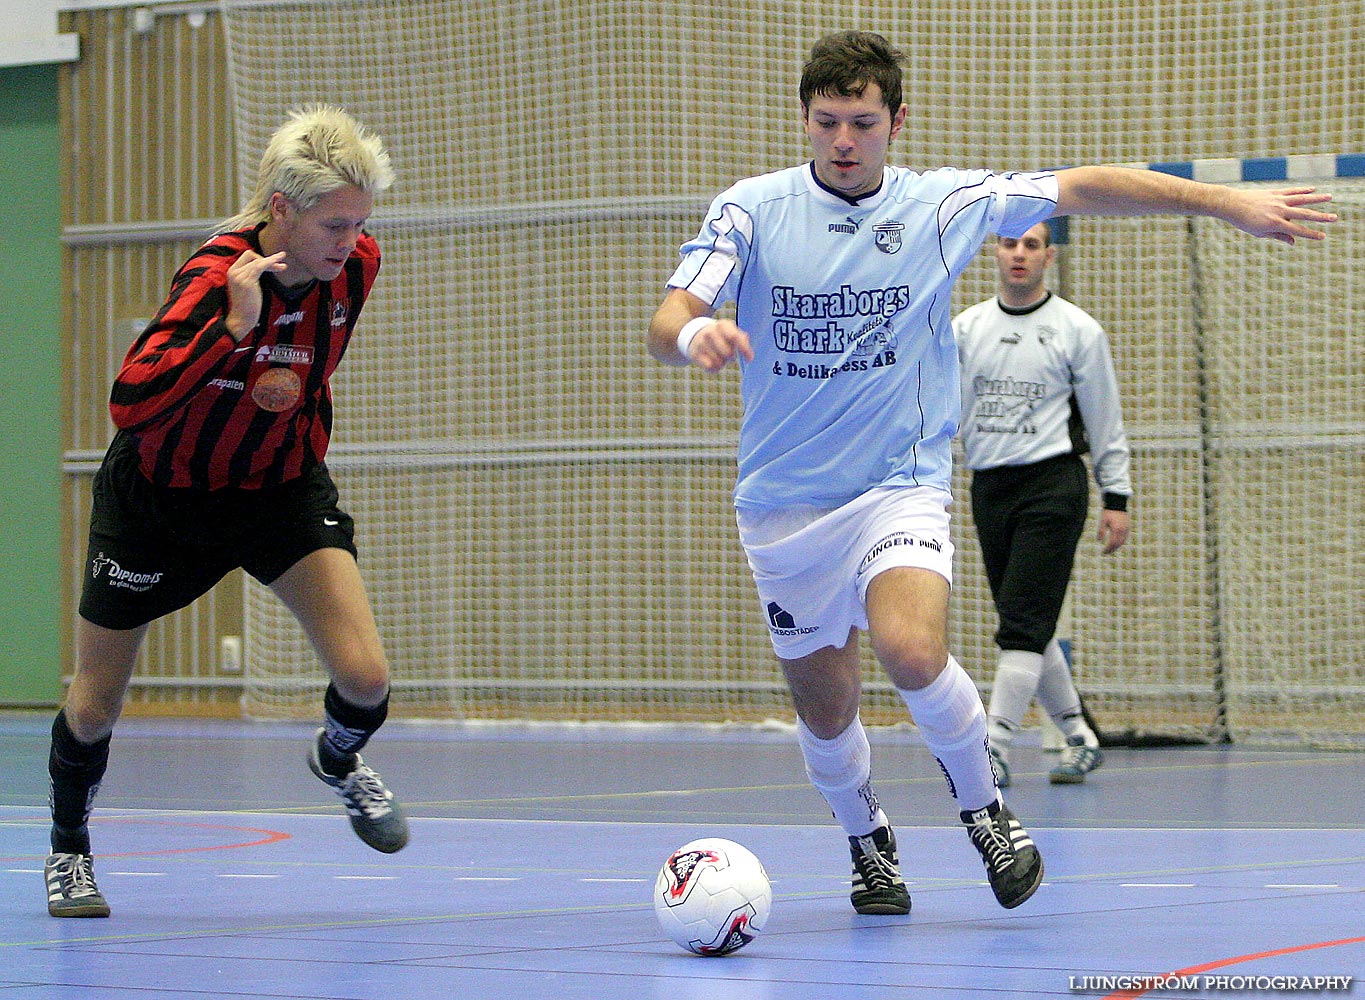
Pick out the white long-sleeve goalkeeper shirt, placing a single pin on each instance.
(1039, 382)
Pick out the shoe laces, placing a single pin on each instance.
(877, 870)
(366, 793)
(77, 876)
(991, 841)
(1078, 757)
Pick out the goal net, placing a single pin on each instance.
(543, 513)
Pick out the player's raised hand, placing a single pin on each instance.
(717, 344)
(244, 289)
(1279, 214)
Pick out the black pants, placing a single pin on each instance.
(1029, 519)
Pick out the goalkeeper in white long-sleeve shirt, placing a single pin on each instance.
(1038, 391)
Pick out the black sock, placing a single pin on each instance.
(346, 728)
(75, 770)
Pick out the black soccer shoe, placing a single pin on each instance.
(877, 883)
(1013, 864)
(71, 888)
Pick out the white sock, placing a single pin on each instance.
(952, 721)
(1016, 681)
(1059, 698)
(841, 771)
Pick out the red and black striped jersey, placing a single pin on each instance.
(209, 412)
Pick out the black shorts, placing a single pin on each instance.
(154, 550)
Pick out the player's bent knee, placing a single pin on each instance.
(914, 655)
(366, 686)
(90, 719)
(829, 723)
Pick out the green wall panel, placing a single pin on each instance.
(30, 387)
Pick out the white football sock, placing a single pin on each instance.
(952, 721)
(841, 771)
(1016, 681)
(1059, 698)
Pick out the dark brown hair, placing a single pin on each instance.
(844, 63)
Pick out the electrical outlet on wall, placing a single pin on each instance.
(230, 654)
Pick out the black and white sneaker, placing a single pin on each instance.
(877, 883)
(1013, 864)
(1078, 760)
(71, 889)
(376, 816)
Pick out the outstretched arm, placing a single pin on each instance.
(1277, 214)
(714, 344)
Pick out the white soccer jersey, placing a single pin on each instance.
(1025, 377)
(854, 382)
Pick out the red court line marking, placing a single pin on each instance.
(1223, 963)
(271, 837)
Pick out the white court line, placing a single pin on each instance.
(487, 878)
(366, 878)
(635, 880)
(1156, 885)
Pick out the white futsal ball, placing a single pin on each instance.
(712, 896)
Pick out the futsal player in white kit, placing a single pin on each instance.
(1038, 391)
(841, 271)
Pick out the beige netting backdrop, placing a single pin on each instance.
(543, 511)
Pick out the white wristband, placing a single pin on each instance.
(689, 332)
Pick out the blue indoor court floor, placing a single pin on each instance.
(232, 872)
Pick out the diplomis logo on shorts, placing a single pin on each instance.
(781, 622)
(120, 577)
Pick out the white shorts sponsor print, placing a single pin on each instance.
(812, 565)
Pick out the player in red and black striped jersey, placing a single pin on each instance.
(207, 410)
(224, 413)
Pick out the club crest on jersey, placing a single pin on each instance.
(339, 313)
(886, 236)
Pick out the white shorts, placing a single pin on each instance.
(812, 565)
